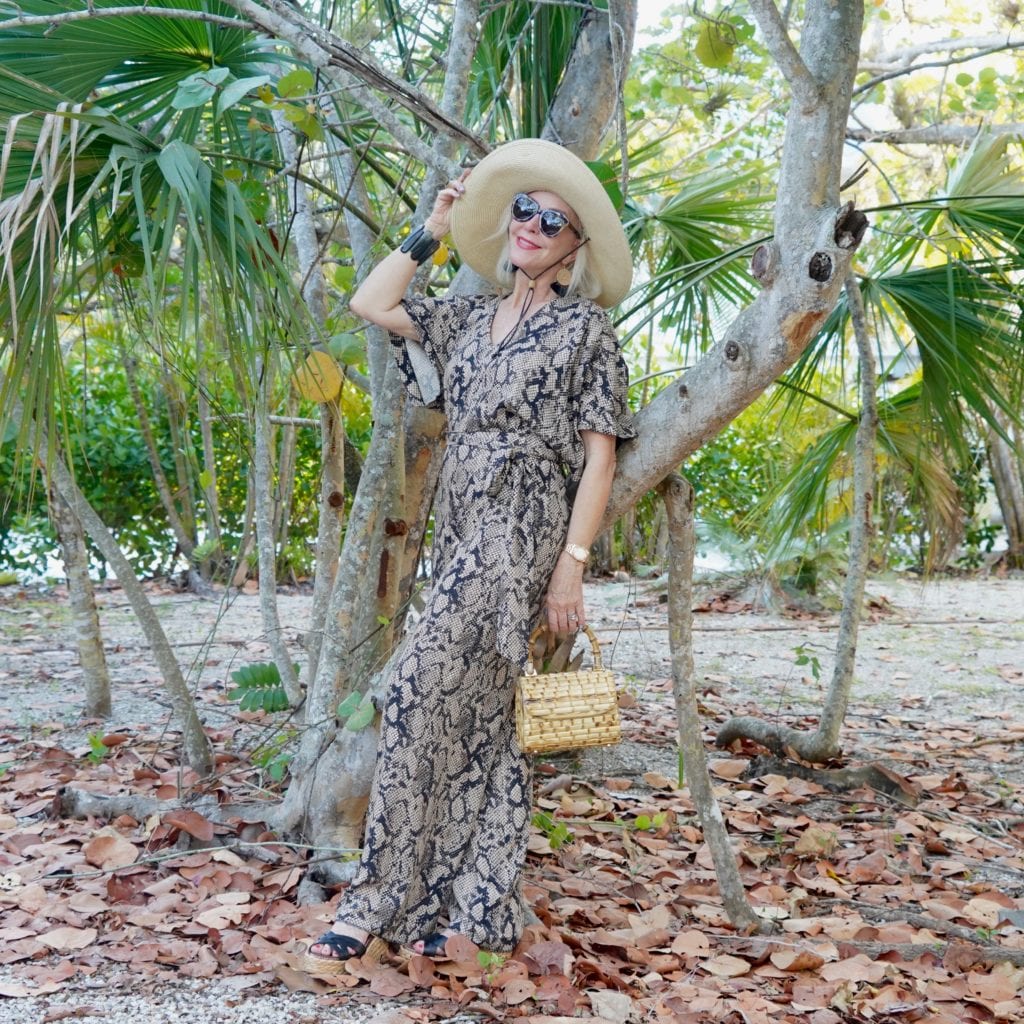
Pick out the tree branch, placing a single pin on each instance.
(90, 12)
(962, 58)
(933, 134)
(903, 58)
(813, 244)
(323, 49)
(782, 49)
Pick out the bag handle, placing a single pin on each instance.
(595, 648)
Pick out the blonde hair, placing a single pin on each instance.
(583, 281)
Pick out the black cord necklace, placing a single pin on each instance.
(531, 290)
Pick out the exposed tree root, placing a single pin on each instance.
(898, 914)
(77, 803)
(876, 776)
(956, 956)
(781, 740)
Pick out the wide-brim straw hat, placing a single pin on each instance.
(534, 165)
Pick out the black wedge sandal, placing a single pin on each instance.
(343, 948)
(433, 946)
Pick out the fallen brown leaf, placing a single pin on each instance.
(726, 966)
(387, 982)
(796, 960)
(65, 939)
(109, 851)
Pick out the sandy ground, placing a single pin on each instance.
(946, 648)
(930, 656)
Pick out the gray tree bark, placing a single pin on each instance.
(678, 496)
(211, 500)
(585, 104)
(287, 455)
(82, 602)
(1007, 464)
(198, 752)
(823, 743)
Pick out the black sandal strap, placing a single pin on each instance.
(343, 947)
(433, 944)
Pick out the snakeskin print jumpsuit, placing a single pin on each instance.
(450, 807)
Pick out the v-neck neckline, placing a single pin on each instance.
(493, 343)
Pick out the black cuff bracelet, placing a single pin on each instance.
(420, 245)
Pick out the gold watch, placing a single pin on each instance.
(580, 553)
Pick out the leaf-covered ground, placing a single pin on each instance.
(900, 905)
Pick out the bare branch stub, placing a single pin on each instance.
(764, 264)
(851, 225)
(820, 267)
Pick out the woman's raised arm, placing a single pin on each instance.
(378, 299)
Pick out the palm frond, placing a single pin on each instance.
(964, 320)
(985, 193)
(817, 491)
(695, 241)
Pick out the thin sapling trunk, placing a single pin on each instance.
(678, 496)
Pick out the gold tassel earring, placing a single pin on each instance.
(564, 276)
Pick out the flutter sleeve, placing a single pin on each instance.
(604, 380)
(422, 363)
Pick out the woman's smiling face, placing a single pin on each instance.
(530, 248)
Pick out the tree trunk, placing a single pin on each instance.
(240, 572)
(801, 270)
(331, 508)
(678, 496)
(1007, 464)
(82, 601)
(181, 444)
(376, 547)
(208, 481)
(591, 87)
(286, 462)
(186, 542)
(198, 753)
(318, 810)
(823, 744)
(266, 547)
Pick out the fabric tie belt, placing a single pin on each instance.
(528, 466)
(505, 448)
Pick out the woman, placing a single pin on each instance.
(534, 387)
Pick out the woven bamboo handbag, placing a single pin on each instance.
(566, 710)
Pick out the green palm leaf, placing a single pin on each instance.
(144, 58)
(818, 489)
(695, 241)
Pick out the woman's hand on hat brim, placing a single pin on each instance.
(440, 220)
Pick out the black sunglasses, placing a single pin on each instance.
(552, 222)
